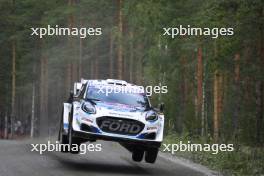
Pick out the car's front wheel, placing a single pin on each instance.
(137, 155)
(151, 155)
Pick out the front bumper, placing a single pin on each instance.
(92, 137)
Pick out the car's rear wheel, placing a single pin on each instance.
(151, 155)
(137, 155)
(63, 139)
(64, 143)
(74, 143)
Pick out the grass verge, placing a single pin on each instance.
(243, 161)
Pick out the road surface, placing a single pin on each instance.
(16, 159)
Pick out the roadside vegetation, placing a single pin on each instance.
(244, 161)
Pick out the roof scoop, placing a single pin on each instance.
(116, 82)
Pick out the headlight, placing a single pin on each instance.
(152, 116)
(88, 107)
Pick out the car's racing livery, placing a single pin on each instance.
(97, 109)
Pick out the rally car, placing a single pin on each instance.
(98, 110)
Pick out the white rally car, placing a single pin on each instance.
(113, 110)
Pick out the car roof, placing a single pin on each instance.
(111, 83)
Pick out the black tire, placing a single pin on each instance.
(74, 143)
(62, 138)
(151, 155)
(137, 155)
(64, 147)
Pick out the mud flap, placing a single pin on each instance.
(66, 115)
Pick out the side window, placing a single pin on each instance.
(82, 92)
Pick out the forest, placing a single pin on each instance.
(215, 85)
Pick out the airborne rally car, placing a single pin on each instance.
(99, 110)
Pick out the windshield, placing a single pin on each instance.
(132, 99)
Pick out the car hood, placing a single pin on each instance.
(119, 110)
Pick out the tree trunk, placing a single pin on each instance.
(111, 41)
(80, 59)
(73, 48)
(32, 120)
(216, 115)
(204, 110)
(32, 126)
(131, 60)
(139, 64)
(259, 112)
(79, 76)
(43, 91)
(96, 64)
(69, 65)
(6, 126)
(183, 87)
(44, 118)
(237, 95)
(74, 69)
(200, 89)
(260, 85)
(218, 95)
(13, 96)
(120, 46)
(218, 103)
(68, 79)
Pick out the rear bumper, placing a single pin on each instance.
(91, 136)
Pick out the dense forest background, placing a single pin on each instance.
(215, 86)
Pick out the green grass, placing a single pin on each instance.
(244, 161)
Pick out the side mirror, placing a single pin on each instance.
(77, 88)
(70, 100)
(161, 107)
(71, 94)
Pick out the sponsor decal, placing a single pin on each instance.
(120, 126)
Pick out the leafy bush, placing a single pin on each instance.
(245, 161)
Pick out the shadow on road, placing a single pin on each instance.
(95, 166)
